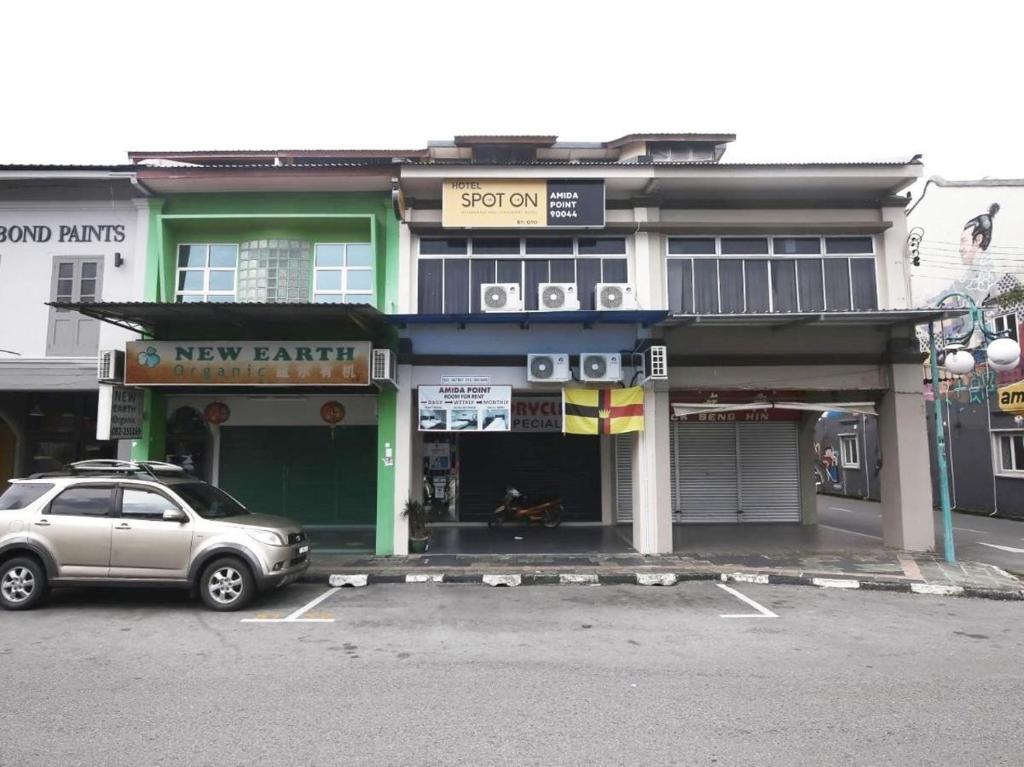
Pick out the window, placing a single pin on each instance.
(736, 275)
(208, 501)
(83, 501)
(144, 504)
(207, 272)
(849, 451)
(20, 495)
(1010, 452)
(74, 280)
(343, 273)
(451, 270)
(1006, 322)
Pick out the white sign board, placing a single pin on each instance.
(465, 380)
(119, 413)
(465, 408)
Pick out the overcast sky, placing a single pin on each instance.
(84, 82)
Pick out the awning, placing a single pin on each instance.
(683, 409)
(238, 320)
(646, 318)
(877, 318)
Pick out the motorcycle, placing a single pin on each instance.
(514, 507)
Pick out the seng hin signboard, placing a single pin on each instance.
(247, 363)
(465, 408)
(523, 203)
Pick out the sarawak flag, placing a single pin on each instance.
(602, 411)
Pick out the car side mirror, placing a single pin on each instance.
(175, 515)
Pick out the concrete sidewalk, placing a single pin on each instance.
(876, 569)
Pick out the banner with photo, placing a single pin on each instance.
(465, 408)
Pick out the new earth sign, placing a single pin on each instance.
(522, 203)
(247, 363)
(119, 413)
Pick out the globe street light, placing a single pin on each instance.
(1003, 354)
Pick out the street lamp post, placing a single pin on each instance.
(1003, 354)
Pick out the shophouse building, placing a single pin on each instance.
(67, 234)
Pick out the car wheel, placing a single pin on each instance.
(22, 584)
(227, 584)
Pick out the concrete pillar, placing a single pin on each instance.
(652, 501)
(893, 271)
(404, 471)
(607, 480)
(905, 481)
(648, 262)
(808, 489)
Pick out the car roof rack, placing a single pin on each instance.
(108, 466)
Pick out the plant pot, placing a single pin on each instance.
(418, 545)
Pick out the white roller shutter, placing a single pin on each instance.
(623, 478)
(704, 478)
(769, 472)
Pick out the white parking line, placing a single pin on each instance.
(762, 611)
(851, 532)
(296, 617)
(1011, 549)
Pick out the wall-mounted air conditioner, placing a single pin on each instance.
(655, 363)
(614, 296)
(110, 366)
(600, 367)
(543, 368)
(384, 368)
(501, 297)
(557, 297)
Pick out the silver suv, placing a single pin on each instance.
(140, 523)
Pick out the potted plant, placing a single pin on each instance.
(416, 513)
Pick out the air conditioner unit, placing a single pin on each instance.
(501, 297)
(600, 367)
(655, 363)
(614, 296)
(110, 366)
(558, 297)
(548, 367)
(384, 367)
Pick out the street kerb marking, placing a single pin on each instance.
(762, 611)
(296, 617)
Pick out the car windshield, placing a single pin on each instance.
(208, 501)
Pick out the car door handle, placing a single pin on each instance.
(43, 523)
(123, 526)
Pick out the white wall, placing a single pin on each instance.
(26, 267)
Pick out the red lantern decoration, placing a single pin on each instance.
(332, 413)
(216, 413)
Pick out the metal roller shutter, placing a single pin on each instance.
(624, 478)
(704, 472)
(769, 472)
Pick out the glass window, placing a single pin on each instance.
(845, 245)
(21, 494)
(343, 271)
(358, 254)
(784, 285)
(837, 284)
(730, 276)
(680, 285)
(83, 501)
(1006, 323)
(1011, 452)
(498, 246)
(549, 246)
(705, 285)
(756, 273)
(692, 246)
(745, 246)
(328, 280)
(602, 246)
(360, 279)
(144, 504)
(809, 282)
(444, 246)
(796, 246)
(848, 449)
(206, 272)
(865, 292)
(330, 255)
(208, 501)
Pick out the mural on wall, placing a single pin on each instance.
(826, 465)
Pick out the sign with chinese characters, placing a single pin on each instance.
(522, 203)
(247, 363)
(119, 413)
(464, 408)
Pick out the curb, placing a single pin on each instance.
(512, 580)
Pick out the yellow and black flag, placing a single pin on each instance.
(602, 411)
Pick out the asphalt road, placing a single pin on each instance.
(998, 542)
(469, 675)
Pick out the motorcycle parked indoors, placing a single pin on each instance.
(515, 507)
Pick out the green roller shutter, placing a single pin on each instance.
(300, 472)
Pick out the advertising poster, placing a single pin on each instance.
(465, 408)
(119, 412)
(522, 203)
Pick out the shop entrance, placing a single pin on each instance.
(537, 464)
(303, 472)
(8, 445)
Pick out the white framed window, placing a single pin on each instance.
(342, 273)
(206, 272)
(1006, 322)
(849, 450)
(1009, 453)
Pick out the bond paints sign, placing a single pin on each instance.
(119, 413)
(247, 363)
(464, 408)
(523, 203)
